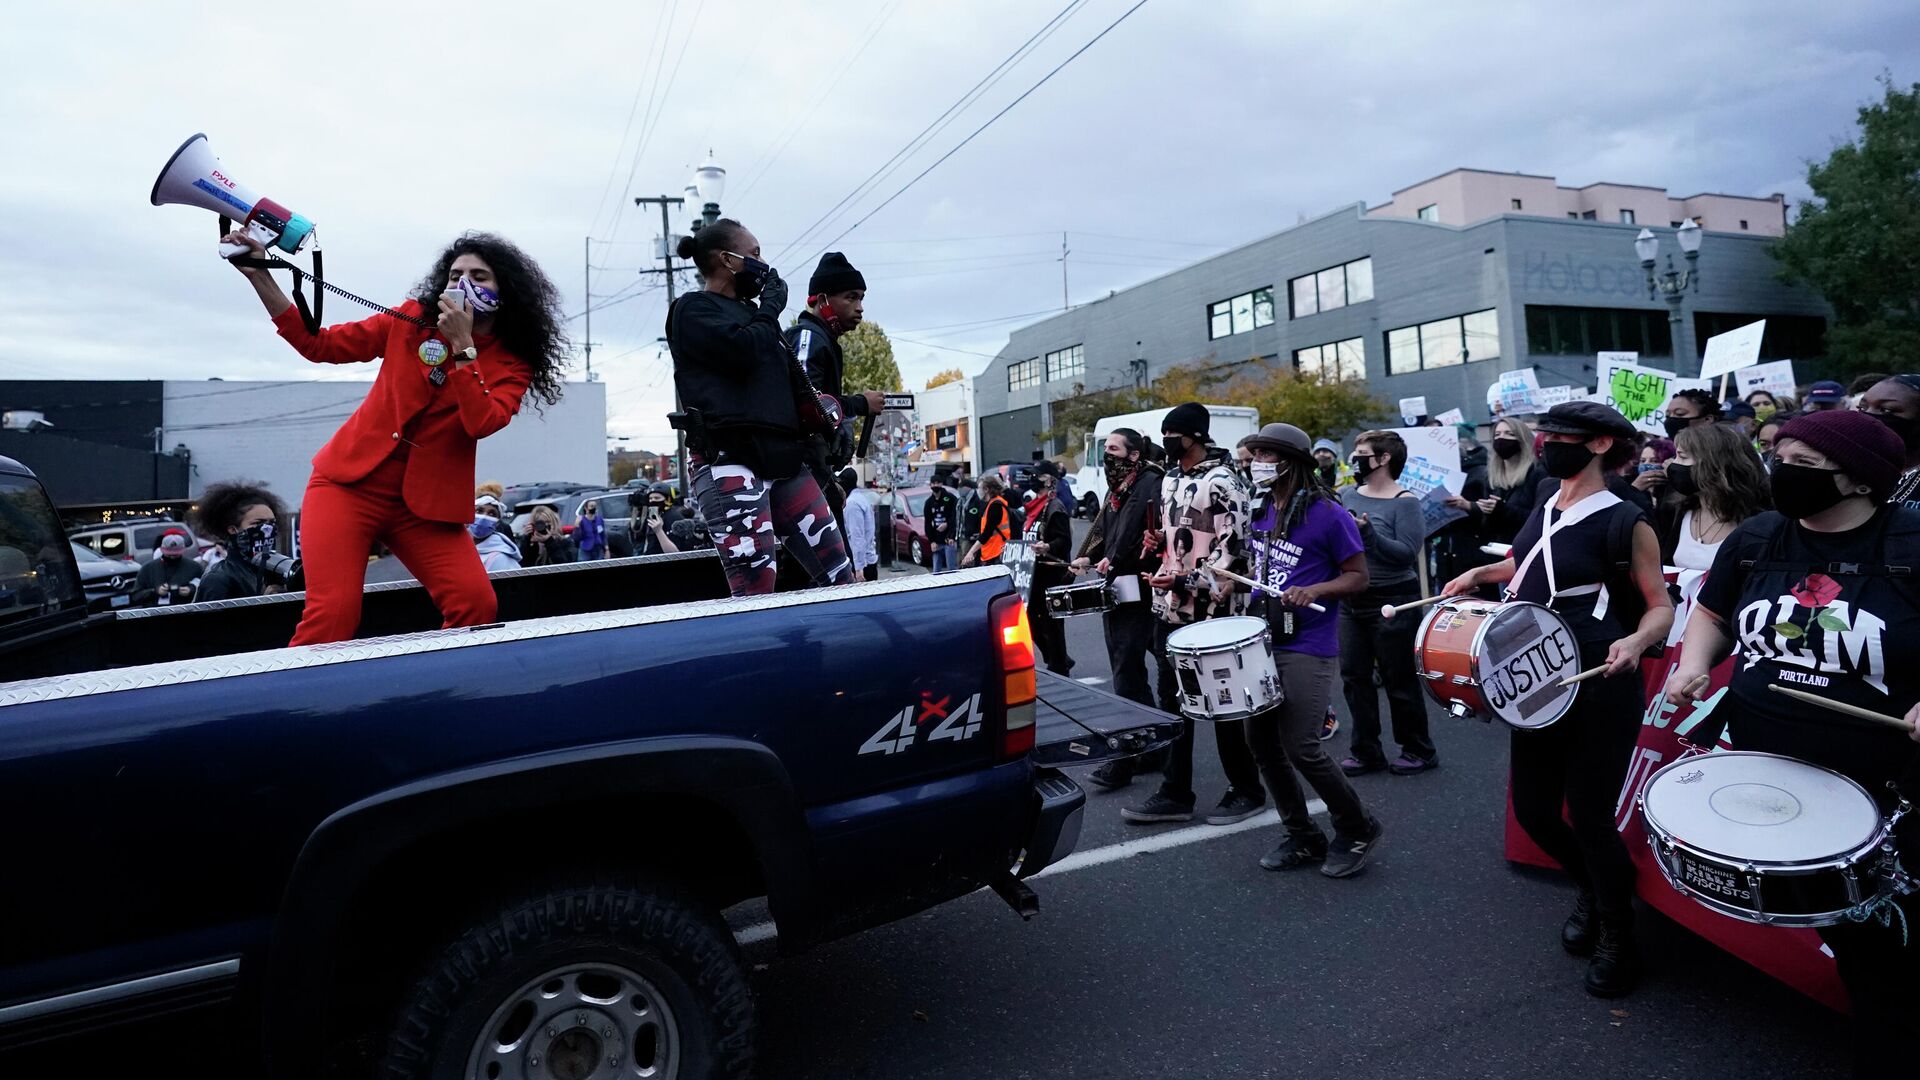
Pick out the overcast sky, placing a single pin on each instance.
(1189, 128)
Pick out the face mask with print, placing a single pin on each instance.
(1264, 473)
(480, 299)
(1362, 466)
(254, 541)
(748, 280)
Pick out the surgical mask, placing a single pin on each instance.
(1264, 472)
(254, 540)
(480, 299)
(1564, 460)
(483, 526)
(1763, 413)
(1680, 479)
(1801, 491)
(1507, 448)
(749, 278)
(1904, 426)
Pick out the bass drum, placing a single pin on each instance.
(1498, 661)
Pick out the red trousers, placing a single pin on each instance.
(338, 526)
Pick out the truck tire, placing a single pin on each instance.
(579, 979)
(1089, 506)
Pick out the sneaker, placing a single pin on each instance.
(1349, 854)
(1112, 776)
(1157, 808)
(1296, 851)
(1353, 766)
(1330, 726)
(1407, 765)
(1236, 805)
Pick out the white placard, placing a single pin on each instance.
(1733, 350)
(1605, 358)
(1412, 409)
(1433, 459)
(1451, 416)
(1641, 393)
(1775, 378)
(1548, 396)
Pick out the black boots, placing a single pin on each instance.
(1577, 935)
(1615, 968)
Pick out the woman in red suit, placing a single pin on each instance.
(400, 470)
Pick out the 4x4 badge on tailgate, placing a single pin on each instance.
(896, 736)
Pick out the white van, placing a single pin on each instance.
(1230, 424)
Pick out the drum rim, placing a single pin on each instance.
(1228, 646)
(1754, 915)
(1658, 833)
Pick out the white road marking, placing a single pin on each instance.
(1091, 680)
(1100, 856)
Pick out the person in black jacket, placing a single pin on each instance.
(739, 392)
(1116, 548)
(836, 304)
(1513, 479)
(171, 576)
(942, 517)
(1049, 531)
(244, 517)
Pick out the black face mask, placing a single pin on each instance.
(1678, 424)
(254, 540)
(1507, 448)
(1801, 491)
(1904, 426)
(1176, 446)
(1680, 479)
(749, 278)
(1564, 460)
(1362, 466)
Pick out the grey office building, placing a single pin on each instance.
(1428, 295)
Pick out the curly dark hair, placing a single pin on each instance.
(1701, 399)
(528, 322)
(219, 508)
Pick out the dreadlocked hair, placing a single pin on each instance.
(1308, 488)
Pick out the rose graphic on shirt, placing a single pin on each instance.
(1814, 593)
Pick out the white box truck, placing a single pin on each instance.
(1230, 424)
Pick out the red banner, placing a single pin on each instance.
(1793, 956)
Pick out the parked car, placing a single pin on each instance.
(109, 582)
(909, 522)
(565, 507)
(132, 538)
(316, 839)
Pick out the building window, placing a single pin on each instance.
(1240, 314)
(1573, 215)
(1626, 217)
(1442, 343)
(1024, 374)
(1334, 287)
(1578, 331)
(1743, 224)
(946, 438)
(1516, 204)
(1673, 224)
(1429, 212)
(1336, 361)
(1066, 363)
(1589, 215)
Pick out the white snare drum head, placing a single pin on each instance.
(1759, 807)
(1214, 635)
(1520, 656)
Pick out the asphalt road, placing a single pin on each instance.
(1440, 961)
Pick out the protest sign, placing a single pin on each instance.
(1512, 393)
(1733, 350)
(1412, 409)
(1433, 459)
(1548, 396)
(1775, 378)
(1434, 511)
(1451, 416)
(1640, 393)
(1605, 358)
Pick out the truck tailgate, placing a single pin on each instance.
(1079, 725)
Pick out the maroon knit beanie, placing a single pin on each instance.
(1864, 448)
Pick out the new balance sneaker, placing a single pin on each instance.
(1296, 851)
(1349, 854)
(1156, 809)
(1236, 805)
(1330, 726)
(1407, 765)
(1353, 766)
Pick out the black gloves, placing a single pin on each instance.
(773, 294)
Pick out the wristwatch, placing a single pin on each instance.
(471, 352)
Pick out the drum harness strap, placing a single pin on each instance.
(1573, 515)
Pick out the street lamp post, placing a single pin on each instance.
(708, 184)
(1671, 283)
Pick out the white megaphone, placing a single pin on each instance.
(194, 177)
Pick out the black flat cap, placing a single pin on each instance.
(1585, 418)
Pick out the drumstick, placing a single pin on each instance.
(1842, 707)
(1698, 684)
(1231, 576)
(1597, 669)
(1388, 611)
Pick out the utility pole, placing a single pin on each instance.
(666, 255)
(1063, 272)
(586, 274)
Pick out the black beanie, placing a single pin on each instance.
(834, 275)
(1191, 419)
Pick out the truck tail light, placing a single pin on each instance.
(1018, 689)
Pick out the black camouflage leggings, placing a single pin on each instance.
(749, 517)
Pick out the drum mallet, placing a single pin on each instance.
(1252, 584)
(1388, 611)
(1841, 707)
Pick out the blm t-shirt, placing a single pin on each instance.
(1325, 537)
(1811, 615)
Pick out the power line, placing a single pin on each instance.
(976, 131)
(978, 322)
(938, 122)
(599, 206)
(942, 348)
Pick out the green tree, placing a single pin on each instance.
(1858, 240)
(1320, 406)
(870, 363)
(951, 375)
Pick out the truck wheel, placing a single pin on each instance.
(583, 981)
(1089, 506)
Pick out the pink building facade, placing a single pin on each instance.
(1464, 196)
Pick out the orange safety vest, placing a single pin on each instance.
(991, 543)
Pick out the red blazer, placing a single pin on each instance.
(439, 425)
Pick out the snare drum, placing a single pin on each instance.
(1764, 838)
(1499, 661)
(1224, 668)
(1068, 601)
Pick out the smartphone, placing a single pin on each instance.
(458, 298)
(1648, 466)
